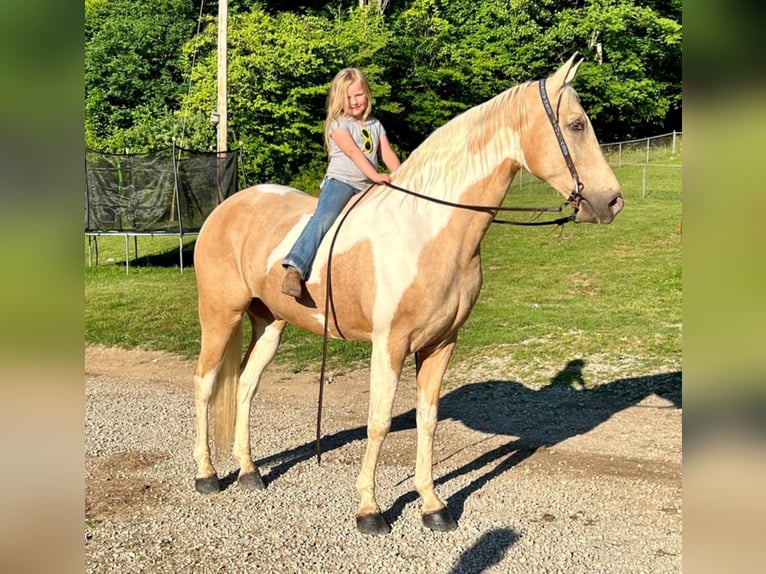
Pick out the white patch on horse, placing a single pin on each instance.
(395, 250)
(276, 188)
(320, 319)
(283, 247)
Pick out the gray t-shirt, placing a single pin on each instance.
(341, 166)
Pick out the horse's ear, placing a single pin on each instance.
(567, 72)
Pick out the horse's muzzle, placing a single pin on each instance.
(597, 212)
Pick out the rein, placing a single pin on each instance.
(327, 305)
(574, 200)
(487, 208)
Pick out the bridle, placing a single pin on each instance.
(574, 200)
(575, 197)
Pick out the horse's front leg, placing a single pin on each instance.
(266, 337)
(432, 365)
(384, 376)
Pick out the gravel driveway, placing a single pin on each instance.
(564, 478)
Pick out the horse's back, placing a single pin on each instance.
(242, 239)
(266, 210)
(267, 202)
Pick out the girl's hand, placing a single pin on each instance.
(381, 178)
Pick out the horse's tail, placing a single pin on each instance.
(224, 399)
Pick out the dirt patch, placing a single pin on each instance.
(139, 364)
(113, 489)
(570, 476)
(561, 426)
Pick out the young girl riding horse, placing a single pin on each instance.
(354, 140)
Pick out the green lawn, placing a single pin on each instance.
(610, 293)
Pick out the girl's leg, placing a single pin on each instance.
(332, 199)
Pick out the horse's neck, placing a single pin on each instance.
(473, 158)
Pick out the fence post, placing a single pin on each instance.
(647, 150)
(643, 182)
(673, 152)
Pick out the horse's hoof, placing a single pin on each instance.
(251, 481)
(372, 524)
(207, 485)
(440, 521)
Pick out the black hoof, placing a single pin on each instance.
(251, 481)
(372, 524)
(440, 521)
(209, 485)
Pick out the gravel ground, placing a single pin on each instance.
(558, 479)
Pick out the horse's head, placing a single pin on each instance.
(546, 155)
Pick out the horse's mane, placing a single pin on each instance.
(450, 154)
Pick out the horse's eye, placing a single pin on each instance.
(577, 126)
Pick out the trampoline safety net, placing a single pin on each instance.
(169, 191)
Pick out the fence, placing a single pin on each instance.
(650, 155)
(661, 152)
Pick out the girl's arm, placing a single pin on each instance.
(342, 137)
(387, 154)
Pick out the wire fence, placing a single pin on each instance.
(654, 150)
(648, 166)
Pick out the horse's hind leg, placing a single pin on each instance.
(431, 368)
(267, 333)
(214, 341)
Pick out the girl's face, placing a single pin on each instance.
(356, 101)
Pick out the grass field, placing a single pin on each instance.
(607, 294)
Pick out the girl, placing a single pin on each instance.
(354, 140)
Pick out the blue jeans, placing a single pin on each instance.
(333, 197)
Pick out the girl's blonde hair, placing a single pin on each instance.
(338, 95)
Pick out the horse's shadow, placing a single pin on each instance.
(533, 418)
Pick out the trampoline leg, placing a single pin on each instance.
(181, 251)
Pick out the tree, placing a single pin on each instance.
(150, 78)
(280, 68)
(451, 55)
(133, 71)
(631, 85)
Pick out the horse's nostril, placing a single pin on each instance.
(616, 204)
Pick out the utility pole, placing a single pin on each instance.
(222, 124)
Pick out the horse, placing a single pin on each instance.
(405, 272)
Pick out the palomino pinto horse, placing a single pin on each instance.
(406, 271)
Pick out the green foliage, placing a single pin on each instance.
(150, 78)
(636, 85)
(133, 71)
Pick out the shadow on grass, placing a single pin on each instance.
(169, 259)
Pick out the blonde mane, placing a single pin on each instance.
(462, 150)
